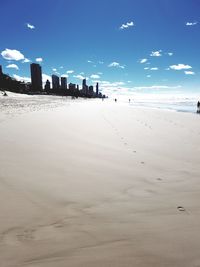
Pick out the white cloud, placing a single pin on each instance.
(54, 69)
(170, 54)
(146, 68)
(156, 53)
(148, 76)
(180, 67)
(12, 66)
(188, 72)
(70, 71)
(61, 67)
(191, 23)
(95, 76)
(45, 77)
(65, 75)
(157, 87)
(39, 59)
(101, 62)
(127, 25)
(154, 68)
(30, 26)
(26, 60)
(89, 61)
(22, 79)
(80, 77)
(116, 65)
(12, 54)
(143, 60)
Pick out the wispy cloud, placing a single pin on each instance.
(156, 53)
(39, 59)
(26, 60)
(170, 54)
(54, 69)
(188, 72)
(80, 77)
(148, 76)
(157, 87)
(30, 26)
(180, 67)
(70, 71)
(143, 60)
(12, 54)
(127, 25)
(95, 76)
(146, 68)
(191, 23)
(21, 78)
(116, 65)
(154, 68)
(12, 66)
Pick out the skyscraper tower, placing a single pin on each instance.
(84, 83)
(97, 89)
(55, 82)
(36, 77)
(64, 83)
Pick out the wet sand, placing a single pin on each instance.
(91, 183)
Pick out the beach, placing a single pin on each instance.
(96, 183)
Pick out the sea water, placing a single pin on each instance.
(179, 102)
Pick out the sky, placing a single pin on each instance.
(127, 46)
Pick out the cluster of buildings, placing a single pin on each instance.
(60, 85)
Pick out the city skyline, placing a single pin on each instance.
(128, 46)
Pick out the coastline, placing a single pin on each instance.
(96, 183)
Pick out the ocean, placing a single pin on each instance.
(179, 102)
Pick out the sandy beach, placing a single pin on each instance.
(95, 183)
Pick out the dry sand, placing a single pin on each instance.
(97, 184)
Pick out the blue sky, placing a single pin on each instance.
(128, 46)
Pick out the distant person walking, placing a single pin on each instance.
(198, 107)
(115, 99)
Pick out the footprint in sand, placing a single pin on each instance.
(159, 179)
(142, 162)
(180, 208)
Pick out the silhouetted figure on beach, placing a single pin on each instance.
(129, 100)
(5, 94)
(198, 107)
(115, 99)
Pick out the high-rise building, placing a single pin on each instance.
(72, 86)
(97, 89)
(36, 77)
(47, 86)
(55, 82)
(84, 83)
(63, 82)
(91, 91)
(84, 88)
